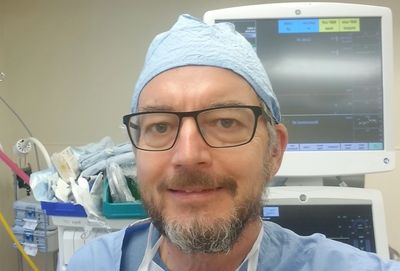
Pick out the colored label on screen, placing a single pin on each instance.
(319, 25)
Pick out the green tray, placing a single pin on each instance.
(133, 209)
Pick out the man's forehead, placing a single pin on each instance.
(204, 86)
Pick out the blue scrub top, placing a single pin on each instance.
(281, 250)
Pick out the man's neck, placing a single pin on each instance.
(175, 259)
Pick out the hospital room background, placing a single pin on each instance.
(70, 67)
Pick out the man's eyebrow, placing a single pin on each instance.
(227, 103)
(150, 108)
(159, 108)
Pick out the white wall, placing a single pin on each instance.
(71, 67)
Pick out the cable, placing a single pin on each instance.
(19, 246)
(26, 179)
(25, 126)
(394, 254)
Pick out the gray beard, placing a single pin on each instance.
(201, 238)
(204, 234)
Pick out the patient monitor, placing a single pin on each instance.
(350, 215)
(331, 67)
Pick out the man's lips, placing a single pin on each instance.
(193, 190)
(191, 195)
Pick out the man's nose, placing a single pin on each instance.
(190, 149)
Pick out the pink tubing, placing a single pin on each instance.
(14, 167)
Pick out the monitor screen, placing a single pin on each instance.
(350, 224)
(334, 98)
(354, 216)
(330, 67)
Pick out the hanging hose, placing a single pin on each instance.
(14, 167)
(15, 240)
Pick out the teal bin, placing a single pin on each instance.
(133, 209)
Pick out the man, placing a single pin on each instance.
(206, 133)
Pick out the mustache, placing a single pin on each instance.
(186, 179)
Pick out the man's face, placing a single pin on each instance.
(193, 186)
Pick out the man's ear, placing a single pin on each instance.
(280, 147)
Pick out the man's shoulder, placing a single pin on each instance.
(291, 251)
(136, 230)
(100, 253)
(134, 245)
(105, 252)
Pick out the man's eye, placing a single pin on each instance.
(160, 127)
(226, 123)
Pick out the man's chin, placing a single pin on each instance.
(203, 234)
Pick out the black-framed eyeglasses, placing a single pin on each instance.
(220, 127)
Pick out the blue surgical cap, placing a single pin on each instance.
(192, 42)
